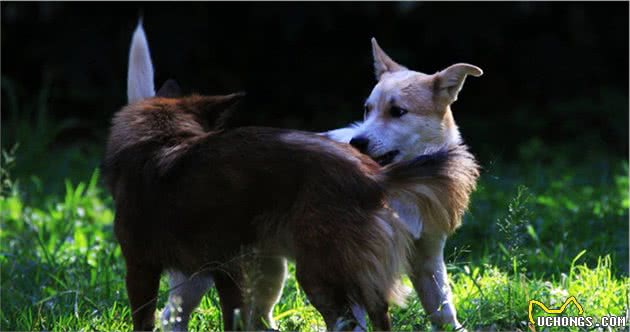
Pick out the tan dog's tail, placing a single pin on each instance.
(432, 190)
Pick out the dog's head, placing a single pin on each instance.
(185, 113)
(408, 112)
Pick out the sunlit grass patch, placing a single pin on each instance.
(61, 268)
(488, 297)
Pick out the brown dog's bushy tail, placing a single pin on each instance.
(432, 190)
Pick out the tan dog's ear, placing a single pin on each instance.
(382, 62)
(449, 81)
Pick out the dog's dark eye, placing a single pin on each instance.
(397, 112)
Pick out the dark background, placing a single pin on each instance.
(548, 122)
(555, 73)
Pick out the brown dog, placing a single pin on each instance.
(196, 199)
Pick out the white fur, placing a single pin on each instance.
(431, 281)
(140, 83)
(406, 209)
(343, 135)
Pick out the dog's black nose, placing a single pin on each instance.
(360, 143)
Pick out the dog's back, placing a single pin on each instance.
(162, 166)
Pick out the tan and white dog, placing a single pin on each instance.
(409, 113)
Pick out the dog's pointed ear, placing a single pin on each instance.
(449, 82)
(170, 89)
(140, 72)
(225, 106)
(214, 110)
(229, 102)
(382, 62)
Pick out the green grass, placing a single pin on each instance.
(551, 225)
(565, 235)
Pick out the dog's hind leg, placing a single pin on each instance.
(380, 318)
(228, 286)
(330, 300)
(360, 315)
(185, 294)
(430, 280)
(142, 283)
(266, 292)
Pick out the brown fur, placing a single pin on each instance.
(443, 194)
(192, 197)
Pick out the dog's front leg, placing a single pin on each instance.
(142, 288)
(185, 294)
(431, 281)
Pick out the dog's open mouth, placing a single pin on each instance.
(387, 158)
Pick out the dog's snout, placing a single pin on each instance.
(360, 143)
